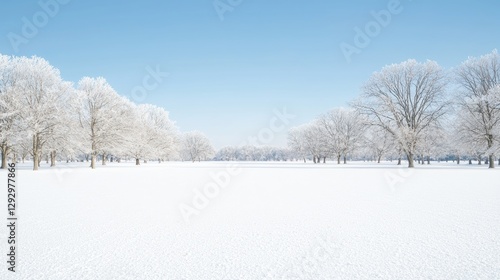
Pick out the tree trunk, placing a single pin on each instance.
(137, 161)
(458, 159)
(35, 161)
(52, 158)
(379, 158)
(410, 160)
(324, 159)
(399, 161)
(470, 161)
(338, 159)
(103, 159)
(491, 161)
(92, 161)
(5, 151)
(479, 162)
(304, 160)
(428, 160)
(36, 155)
(345, 159)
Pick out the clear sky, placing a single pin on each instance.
(226, 76)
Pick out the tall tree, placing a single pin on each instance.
(405, 99)
(479, 100)
(8, 111)
(40, 91)
(103, 116)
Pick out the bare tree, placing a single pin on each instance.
(342, 130)
(378, 141)
(297, 143)
(479, 99)
(405, 99)
(196, 146)
(307, 138)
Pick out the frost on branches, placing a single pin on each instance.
(479, 103)
(405, 99)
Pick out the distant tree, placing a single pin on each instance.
(342, 130)
(314, 144)
(297, 142)
(378, 141)
(154, 134)
(405, 99)
(431, 143)
(196, 146)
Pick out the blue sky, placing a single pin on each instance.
(227, 76)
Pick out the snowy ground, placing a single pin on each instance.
(269, 221)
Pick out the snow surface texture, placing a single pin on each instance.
(271, 221)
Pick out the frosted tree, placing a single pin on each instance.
(104, 117)
(297, 143)
(64, 142)
(431, 143)
(228, 153)
(343, 131)
(166, 141)
(479, 100)
(378, 142)
(155, 135)
(8, 112)
(196, 146)
(40, 91)
(308, 140)
(405, 99)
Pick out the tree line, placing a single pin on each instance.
(42, 116)
(413, 109)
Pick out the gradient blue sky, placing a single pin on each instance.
(227, 76)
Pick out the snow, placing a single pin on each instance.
(285, 220)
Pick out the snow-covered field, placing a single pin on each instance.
(256, 221)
